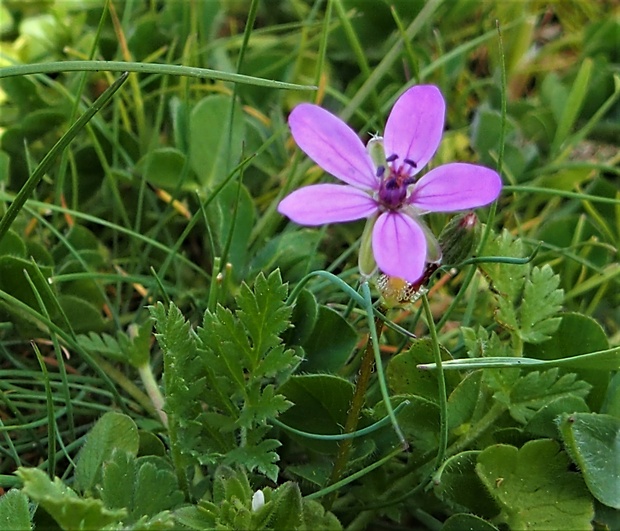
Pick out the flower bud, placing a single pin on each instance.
(366, 259)
(258, 500)
(459, 238)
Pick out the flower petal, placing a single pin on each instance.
(399, 246)
(333, 145)
(456, 186)
(415, 126)
(327, 203)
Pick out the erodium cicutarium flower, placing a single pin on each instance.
(381, 181)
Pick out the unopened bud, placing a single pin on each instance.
(258, 500)
(366, 259)
(459, 238)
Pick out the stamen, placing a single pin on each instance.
(380, 171)
(391, 158)
(410, 162)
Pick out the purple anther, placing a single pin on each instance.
(410, 162)
(391, 158)
(380, 171)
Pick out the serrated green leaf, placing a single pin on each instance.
(506, 279)
(144, 486)
(262, 405)
(230, 484)
(63, 504)
(593, 442)
(259, 457)
(217, 380)
(528, 299)
(316, 518)
(112, 431)
(287, 513)
(14, 513)
(263, 313)
(579, 334)
(103, 344)
(542, 301)
(161, 521)
(173, 332)
(534, 488)
(198, 517)
(536, 389)
(183, 383)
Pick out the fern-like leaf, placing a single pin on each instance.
(542, 300)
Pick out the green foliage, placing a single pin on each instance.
(146, 217)
(14, 513)
(528, 300)
(64, 505)
(235, 506)
(229, 361)
(593, 442)
(112, 432)
(534, 488)
(132, 348)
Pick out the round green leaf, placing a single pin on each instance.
(303, 319)
(457, 484)
(12, 244)
(112, 431)
(163, 167)
(534, 487)
(419, 420)
(82, 315)
(593, 441)
(462, 401)
(321, 403)
(543, 423)
(404, 377)
(470, 522)
(330, 344)
(214, 149)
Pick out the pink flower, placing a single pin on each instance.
(383, 188)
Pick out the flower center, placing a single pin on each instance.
(394, 181)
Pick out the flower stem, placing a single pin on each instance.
(357, 402)
(152, 389)
(443, 400)
(374, 337)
